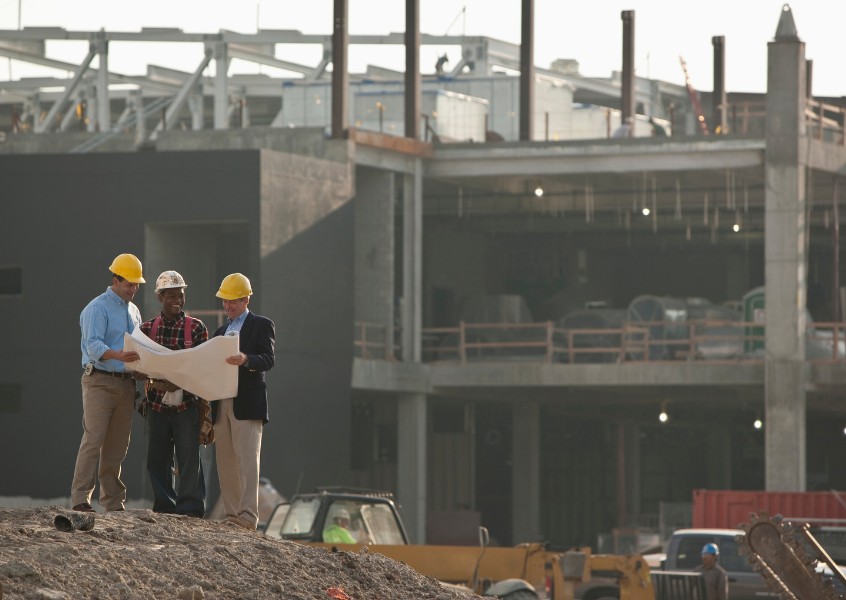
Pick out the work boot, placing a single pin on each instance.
(83, 507)
(240, 522)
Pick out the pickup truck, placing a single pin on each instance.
(684, 554)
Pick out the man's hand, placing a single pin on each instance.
(128, 356)
(238, 360)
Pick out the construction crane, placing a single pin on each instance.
(694, 99)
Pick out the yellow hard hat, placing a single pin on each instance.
(129, 267)
(234, 286)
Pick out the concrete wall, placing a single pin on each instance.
(67, 216)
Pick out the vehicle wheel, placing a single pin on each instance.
(520, 595)
(604, 595)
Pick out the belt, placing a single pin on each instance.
(122, 374)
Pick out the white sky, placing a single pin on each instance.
(589, 31)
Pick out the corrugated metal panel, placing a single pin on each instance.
(730, 508)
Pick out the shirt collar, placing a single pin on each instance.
(111, 295)
(176, 320)
(240, 318)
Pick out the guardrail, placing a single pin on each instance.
(371, 341)
(823, 121)
(701, 340)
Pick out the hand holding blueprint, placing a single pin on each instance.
(201, 370)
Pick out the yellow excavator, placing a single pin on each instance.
(344, 520)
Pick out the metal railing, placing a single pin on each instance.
(823, 121)
(701, 340)
(375, 341)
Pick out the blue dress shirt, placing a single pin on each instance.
(236, 323)
(103, 323)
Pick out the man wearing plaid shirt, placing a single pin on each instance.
(173, 414)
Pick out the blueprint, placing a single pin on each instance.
(201, 370)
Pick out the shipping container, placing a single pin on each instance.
(731, 508)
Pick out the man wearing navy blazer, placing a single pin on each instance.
(239, 421)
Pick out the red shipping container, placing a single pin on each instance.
(731, 508)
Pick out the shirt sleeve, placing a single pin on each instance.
(93, 325)
(199, 332)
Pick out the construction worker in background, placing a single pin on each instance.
(716, 580)
(625, 130)
(338, 532)
(108, 389)
(239, 421)
(658, 130)
(174, 416)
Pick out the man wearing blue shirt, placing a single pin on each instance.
(108, 390)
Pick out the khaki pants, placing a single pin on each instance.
(107, 406)
(238, 454)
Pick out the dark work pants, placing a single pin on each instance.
(179, 432)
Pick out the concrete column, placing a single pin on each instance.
(718, 451)
(412, 268)
(104, 111)
(785, 261)
(374, 255)
(525, 473)
(411, 463)
(221, 86)
(632, 466)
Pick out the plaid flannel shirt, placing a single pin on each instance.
(171, 334)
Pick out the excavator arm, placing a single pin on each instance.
(777, 549)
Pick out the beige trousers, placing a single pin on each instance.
(107, 406)
(238, 455)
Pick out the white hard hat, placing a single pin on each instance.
(339, 512)
(168, 280)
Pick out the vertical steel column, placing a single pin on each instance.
(835, 258)
(221, 86)
(412, 264)
(340, 78)
(718, 99)
(627, 100)
(527, 68)
(412, 69)
(809, 78)
(104, 113)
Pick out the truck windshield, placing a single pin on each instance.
(381, 524)
(300, 518)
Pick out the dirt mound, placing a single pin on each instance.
(140, 554)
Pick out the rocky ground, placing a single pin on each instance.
(140, 554)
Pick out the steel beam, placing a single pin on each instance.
(527, 69)
(627, 101)
(412, 69)
(44, 125)
(340, 78)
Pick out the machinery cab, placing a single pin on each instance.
(339, 516)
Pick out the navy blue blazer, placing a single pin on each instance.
(257, 340)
